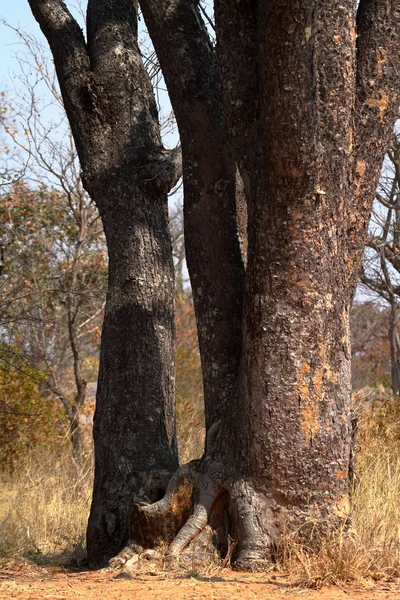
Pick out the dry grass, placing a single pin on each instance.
(368, 546)
(44, 506)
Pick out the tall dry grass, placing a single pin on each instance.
(368, 546)
(44, 506)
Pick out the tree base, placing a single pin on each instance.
(206, 517)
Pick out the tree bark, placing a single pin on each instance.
(214, 200)
(134, 424)
(291, 414)
(111, 108)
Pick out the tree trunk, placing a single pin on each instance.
(291, 417)
(214, 201)
(109, 101)
(309, 105)
(309, 198)
(134, 424)
(77, 439)
(394, 347)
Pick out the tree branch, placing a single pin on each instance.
(71, 60)
(377, 98)
(111, 27)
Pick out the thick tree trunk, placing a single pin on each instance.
(134, 424)
(307, 223)
(291, 416)
(110, 104)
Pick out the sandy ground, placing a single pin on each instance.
(25, 581)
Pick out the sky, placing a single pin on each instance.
(18, 14)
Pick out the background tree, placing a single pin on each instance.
(53, 284)
(25, 421)
(381, 268)
(52, 237)
(370, 350)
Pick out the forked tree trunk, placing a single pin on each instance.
(310, 111)
(310, 107)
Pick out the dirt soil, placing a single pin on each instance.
(25, 581)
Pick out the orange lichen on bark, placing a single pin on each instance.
(310, 388)
(381, 61)
(302, 378)
(310, 424)
(330, 375)
(381, 101)
(360, 172)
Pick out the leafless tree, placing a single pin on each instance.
(381, 267)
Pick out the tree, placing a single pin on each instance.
(110, 105)
(51, 238)
(310, 96)
(274, 343)
(52, 284)
(381, 266)
(25, 421)
(370, 366)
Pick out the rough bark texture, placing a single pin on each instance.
(309, 107)
(134, 428)
(214, 203)
(111, 108)
(291, 415)
(292, 411)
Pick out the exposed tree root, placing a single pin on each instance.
(204, 508)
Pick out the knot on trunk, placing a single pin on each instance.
(161, 172)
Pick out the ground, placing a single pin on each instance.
(22, 580)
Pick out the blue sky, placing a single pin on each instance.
(18, 14)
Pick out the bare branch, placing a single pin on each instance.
(71, 59)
